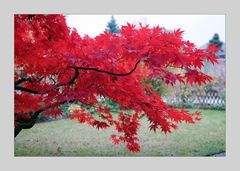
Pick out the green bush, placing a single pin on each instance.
(111, 104)
(190, 105)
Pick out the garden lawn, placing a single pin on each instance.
(69, 138)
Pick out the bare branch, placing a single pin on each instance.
(27, 79)
(26, 90)
(107, 72)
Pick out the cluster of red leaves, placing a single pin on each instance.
(88, 118)
(25, 103)
(126, 124)
(54, 66)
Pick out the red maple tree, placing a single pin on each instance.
(54, 65)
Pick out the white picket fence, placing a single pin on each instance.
(211, 98)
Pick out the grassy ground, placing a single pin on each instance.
(69, 138)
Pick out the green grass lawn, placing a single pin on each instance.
(69, 138)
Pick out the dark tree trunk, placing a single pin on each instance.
(26, 124)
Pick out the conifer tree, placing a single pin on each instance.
(216, 41)
(112, 26)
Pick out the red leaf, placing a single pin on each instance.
(213, 48)
(115, 140)
(197, 119)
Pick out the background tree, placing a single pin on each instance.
(54, 67)
(112, 26)
(216, 41)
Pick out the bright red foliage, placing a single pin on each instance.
(54, 66)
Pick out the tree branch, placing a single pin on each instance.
(22, 80)
(107, 72)
(26, 90)
(27, 79)
(16, 87)
(72, 80)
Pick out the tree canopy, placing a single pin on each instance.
(55, 65)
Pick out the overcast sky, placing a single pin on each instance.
(199, 29)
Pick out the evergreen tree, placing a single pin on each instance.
(216, 40)
(112, 26)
